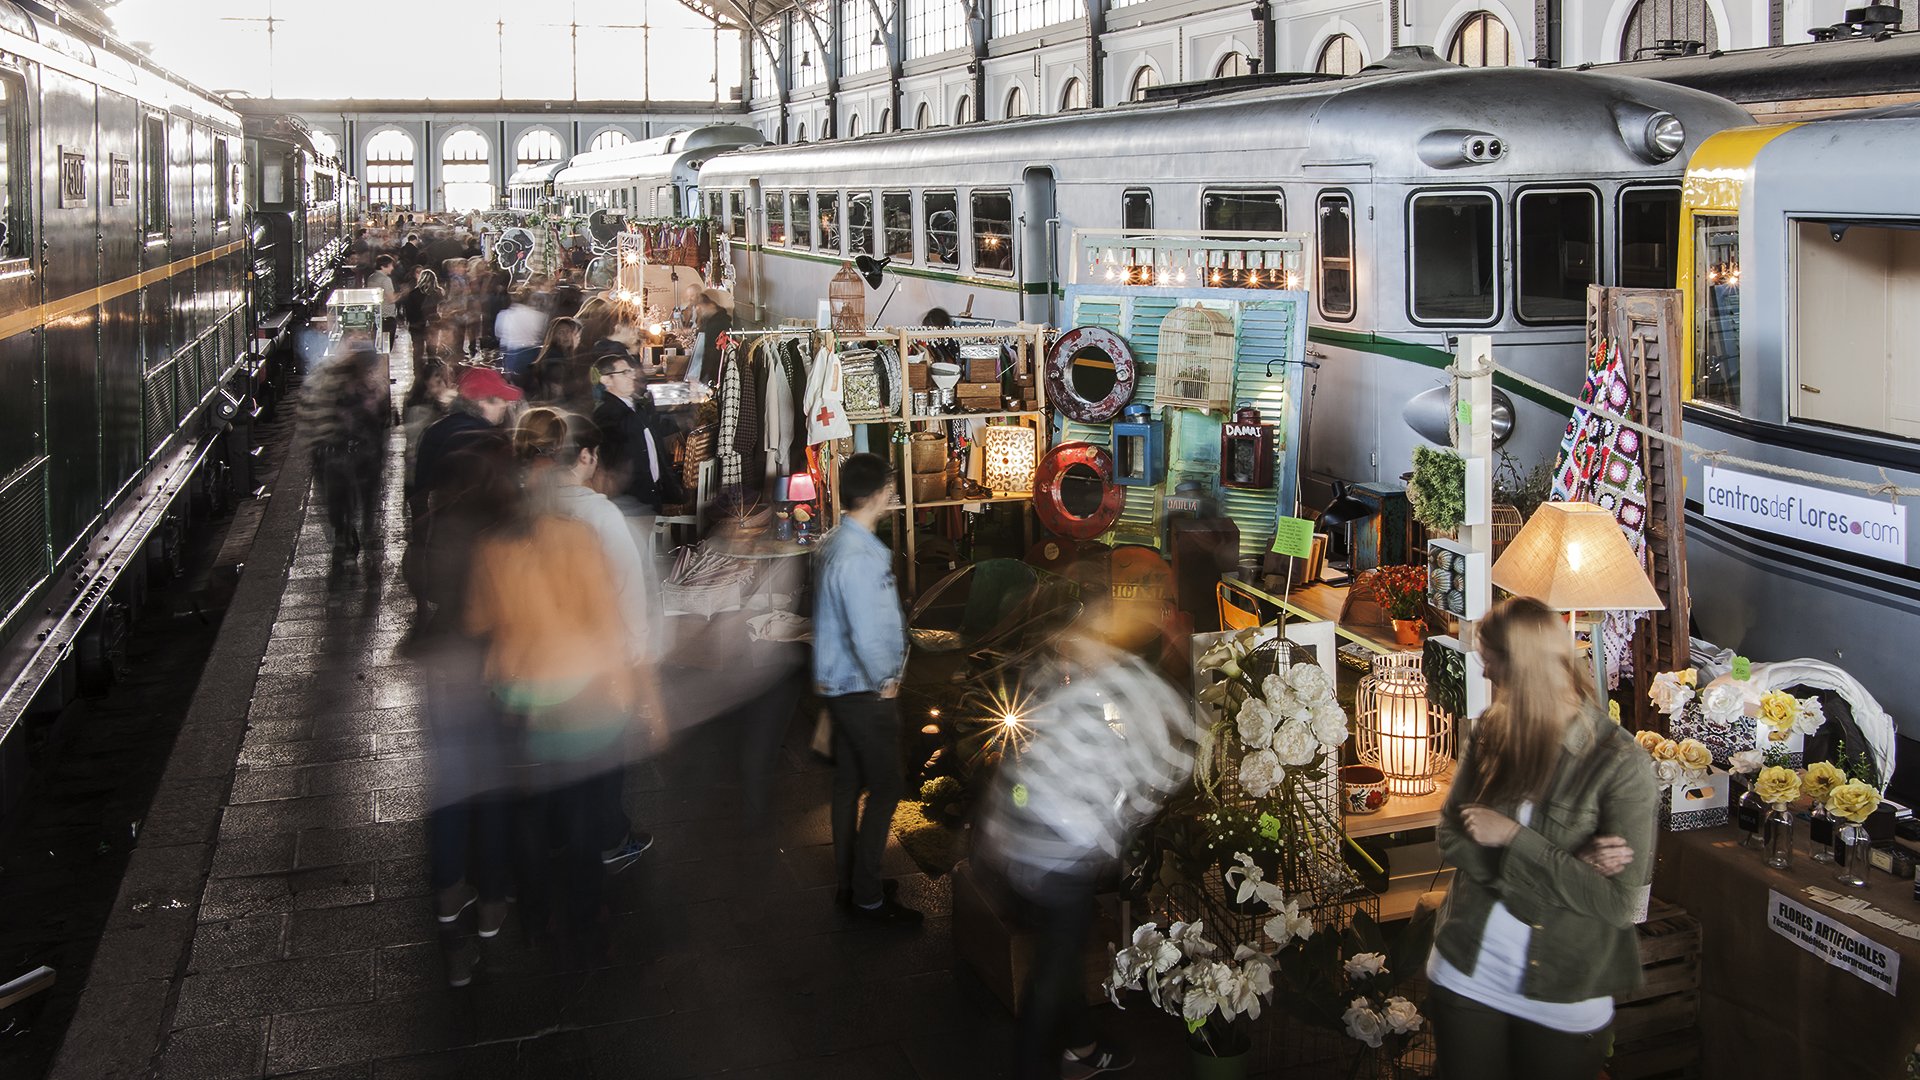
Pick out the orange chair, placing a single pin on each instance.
(1237, 612)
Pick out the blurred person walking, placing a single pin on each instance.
(549, 372)
(712, 318)
(1550, 820)
(521, 329)
(859, 654)
(484, 401)
(382, 279)
(347, 413)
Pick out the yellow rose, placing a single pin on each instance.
(1821, 778)
(1777, 784)
(1779, 710)
(1695, 755)
(1649, 739)
(1853, 800)
(1668, 750)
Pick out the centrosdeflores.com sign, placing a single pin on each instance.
(1864, 526)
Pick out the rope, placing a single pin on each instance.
(1485, 368)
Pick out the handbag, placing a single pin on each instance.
(826, 400)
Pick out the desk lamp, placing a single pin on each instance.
(1343, 513)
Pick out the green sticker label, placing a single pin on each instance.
(1293, 536)
(1742, 668)
(1464, 410)
(1270, 827)
(1020, 796)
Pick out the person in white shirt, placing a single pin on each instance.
(520, 327)
(382, 279)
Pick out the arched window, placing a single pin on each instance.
(799, 133)
(1073, 95)
(390, 169)
(1654, 21)
(963, 112)
(1016, 102)
(886, 121)
(537, 147)
(609, 139)
(1232, 66)
(1481, 41)
(466, 170)
(1143, 80)
(853, 126)
(1340, 56)
(923, 117)
(325, 144)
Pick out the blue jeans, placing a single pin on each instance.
(517, 362)
(469, 823)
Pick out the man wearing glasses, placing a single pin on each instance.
(634, 457)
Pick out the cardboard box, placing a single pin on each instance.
(1699, 804)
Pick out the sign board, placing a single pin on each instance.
(1852, 523)
(1293, 537)
(1836, 943)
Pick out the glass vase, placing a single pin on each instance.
(1778, 828)
(1821, 835)
(1750, 815)
(1856, 855)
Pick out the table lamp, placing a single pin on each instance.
(1343, 513)
(1572, 557)
(1396, 729)
(801, 493)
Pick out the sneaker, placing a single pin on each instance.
(843, 896)
(453, 900)
(493, 916)
(628, 853)
(1103, 1059)
(889, 911)
(460, 965)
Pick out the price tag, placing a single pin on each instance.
(1270, 827)
(1293, 536)
(1742, 668)
(1464, 410)
(1020, 796)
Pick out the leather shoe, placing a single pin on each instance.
(843, 896)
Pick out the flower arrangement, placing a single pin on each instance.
(1401, 590)
(1673, 691)
(1853, 800)
(1777, 785)
(1786, 715)
(1283, 726)
(1683, 761)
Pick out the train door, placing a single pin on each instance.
(1040, 261)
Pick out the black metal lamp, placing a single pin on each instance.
(1342, 513)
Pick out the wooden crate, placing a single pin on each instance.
(1656, 1032)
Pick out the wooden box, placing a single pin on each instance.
(987, 370)
(917, 376)
(1656, 1032)
(978, 395)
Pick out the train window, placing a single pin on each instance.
(1556, 254)
(1335, 246)
(776, 203)
(15, 172)
(1851, 290)
(737, 215)
(896, 223)
(800, 219)
(716, 209)
(1136, 211)
(860, 223)
(992, 232)
(1453, 272)
(222, 188)
(1243, 211)
(829, 202)
(153, 194)
(1716, 309)
(1649, 234)
(940, 211)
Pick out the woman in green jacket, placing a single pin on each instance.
(1550, 824)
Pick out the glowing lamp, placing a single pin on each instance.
(1010, 457)
(1139, 449)
(801, 492)
(1246, 451)
(1396, 730)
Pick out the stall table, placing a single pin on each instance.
(1769, 1009)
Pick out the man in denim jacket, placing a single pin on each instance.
(859, 652)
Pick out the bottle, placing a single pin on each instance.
(1748, 814)
(1778, 830)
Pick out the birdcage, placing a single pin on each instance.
(1195, 367)
(847, 300)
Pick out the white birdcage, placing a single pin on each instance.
(1195, 366)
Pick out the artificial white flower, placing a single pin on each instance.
(1747, 761)
(1218, 656)
(1288, 923)
(1253, 883)
(1260, 773)
(1365, 1024)
(1295, 744)
(1206, 990)
(1401, 1015)
(1723, 703)
(1365, 965)
(1810, 716)
(1669, 694)
(1329, 724)
(1310, 682)
(1667, 772)
(1155, 950)
(1191, 938)
(1256, 723)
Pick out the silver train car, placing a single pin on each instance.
(123, 316)
(657, 177)
(1442, 201)
(1800, 269)
(530, 189)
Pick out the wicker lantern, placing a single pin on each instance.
(1196, 359)
(1397, 730)
(1010, 458)
(847, 300)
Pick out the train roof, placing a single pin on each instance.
(93, 48)
(1845, 67)
(658, 157)
(1400, 122)
(536, 174)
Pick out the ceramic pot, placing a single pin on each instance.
(1409, 631)
(1208, 1067)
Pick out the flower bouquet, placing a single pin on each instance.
(1684, 767)
(1402, 592)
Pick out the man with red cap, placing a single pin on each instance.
(485, 398)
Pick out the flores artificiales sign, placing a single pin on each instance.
(1873, 527)
(1834, 942)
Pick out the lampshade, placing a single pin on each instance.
(1572, 556)
(1344, 510)
(1397, 730)
(800, 488)
(1008, 449)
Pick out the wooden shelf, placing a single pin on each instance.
(1402, 812)
(952, 416)
(1028, 497)
(1404, 892)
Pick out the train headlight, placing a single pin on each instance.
(1666, 135)
(1652, 135)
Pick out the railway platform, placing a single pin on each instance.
(276, 921)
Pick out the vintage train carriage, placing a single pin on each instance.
(301, 214)
(1800, 268)
(530, 188)
(122, 310)
(1443, 201)
(1802, 81)
(654, 178)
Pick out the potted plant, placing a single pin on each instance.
(1402, 592)
(1437, 492)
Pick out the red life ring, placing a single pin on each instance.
(1052, 509)
(1060, 391)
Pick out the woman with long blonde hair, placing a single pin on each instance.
(1550, 824)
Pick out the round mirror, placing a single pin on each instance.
(1081, 491)
(1092, 374)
